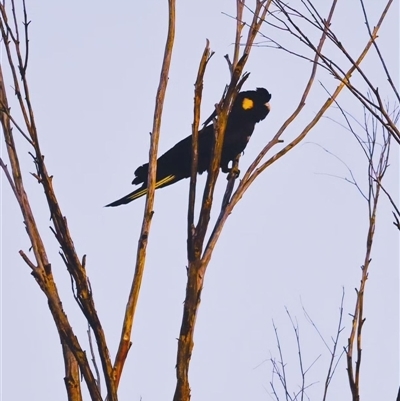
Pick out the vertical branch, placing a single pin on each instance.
(125, 342)
(238, 36)
(358, 319)
(233, 174)
(223, 110)
(376, 172)
(195, 134)
(196, 270)
(71, 380)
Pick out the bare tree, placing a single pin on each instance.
(301, 21)
(202, 238)
(374, 140)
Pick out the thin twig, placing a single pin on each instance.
(378, 51)
(9, 178)
(96, 369)
(332, 364)
(282, 371)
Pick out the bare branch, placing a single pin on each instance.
(71, 380)
(125, 340)
(376, 172)
(195, 133)
(96, 369)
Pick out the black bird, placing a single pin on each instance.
(249, 108)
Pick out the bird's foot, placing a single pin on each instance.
(233, 172)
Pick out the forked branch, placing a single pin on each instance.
(196, 234)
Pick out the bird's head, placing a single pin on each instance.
(252, 105)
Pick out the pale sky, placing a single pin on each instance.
(296, 238)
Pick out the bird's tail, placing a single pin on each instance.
(130, 197)
(143, 191)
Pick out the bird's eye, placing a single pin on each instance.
(247, 103)
(268, 106)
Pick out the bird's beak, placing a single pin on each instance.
(268, 106)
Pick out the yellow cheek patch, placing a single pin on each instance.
(247, 104)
